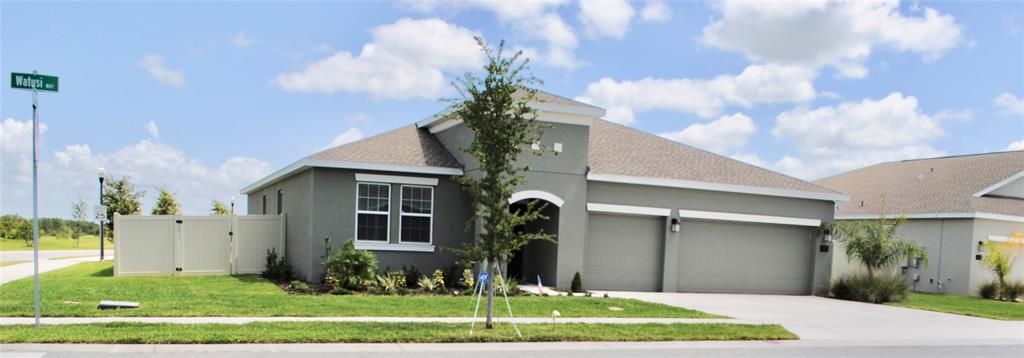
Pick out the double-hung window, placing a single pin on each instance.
(372, 212)
(417, 214)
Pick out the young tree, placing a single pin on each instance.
(496, 108)
(876, 244)
(8, 224)
(22, 230)
(120, 197)
(80, 213)
(219, 208)
(999, 256)
(165, 203)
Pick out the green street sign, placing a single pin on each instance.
(29, 81)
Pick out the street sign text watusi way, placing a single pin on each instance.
(29, 81)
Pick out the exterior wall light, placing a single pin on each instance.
(828, 236)
(675, 225)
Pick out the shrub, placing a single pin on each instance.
(390, 284)
(412, 275)
(866, 288)
(350, 268)
(451, 276)
(277, 269)
(439, 280)
(577, 283)
(340, 291)
(300, 287)
(468, 280)
(511, 286)
(989, 290)
(1011, 290)
(427, 284)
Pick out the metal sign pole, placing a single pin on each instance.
(35, 197)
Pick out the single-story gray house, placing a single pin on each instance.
(953, 205)
(632, 211)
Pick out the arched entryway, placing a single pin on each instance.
(538, 258)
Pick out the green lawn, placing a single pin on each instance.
(88, 283)
(296, 332)
(47, 242)
(8, 263)
(968, 306)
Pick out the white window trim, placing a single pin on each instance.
(628, 209)
(401, 213)
(762, 219)
(383, 246)
(396, 179)
(388, 236)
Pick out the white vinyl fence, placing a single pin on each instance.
(195, 245)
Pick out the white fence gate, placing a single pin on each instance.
(195, 245)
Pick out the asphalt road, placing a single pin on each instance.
(741, 349)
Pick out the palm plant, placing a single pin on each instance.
(877, 245)
(1000, 256)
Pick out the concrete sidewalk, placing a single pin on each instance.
(244, 320)
(23, 270)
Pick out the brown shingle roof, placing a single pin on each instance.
(407, 145)
(938, 185)
(620, 150)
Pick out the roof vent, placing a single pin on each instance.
(920, 177)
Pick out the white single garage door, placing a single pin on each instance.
(623, 252)
(744, 258)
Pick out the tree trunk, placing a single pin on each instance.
(490, 294)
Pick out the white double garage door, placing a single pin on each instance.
(625, 252)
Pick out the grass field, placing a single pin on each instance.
(47, 242)
(88, 283)
(8, 263)
(308, 332)
(963, 305)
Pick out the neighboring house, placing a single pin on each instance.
(953, 204)
(613, 196)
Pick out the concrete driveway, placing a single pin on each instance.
(818, 318)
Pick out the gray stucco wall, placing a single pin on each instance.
(950, 256)
(334, 216)
(563, 175)
(674, 198)
(297, 195)
(983, 228)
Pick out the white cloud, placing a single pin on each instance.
(16, 136)
(704, 97)
(406, 59)
(241, 40)
(156, 66)
(536, 19)
(348, 136)
(1007, 103)
(655, 11)
(606, 18)
(721, 135)
(72, 174)
(855, 134)
(1018, 145)
(841, 34)
(154, 131)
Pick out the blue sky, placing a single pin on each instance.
(204, 98)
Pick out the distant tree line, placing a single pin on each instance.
(119, 196)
